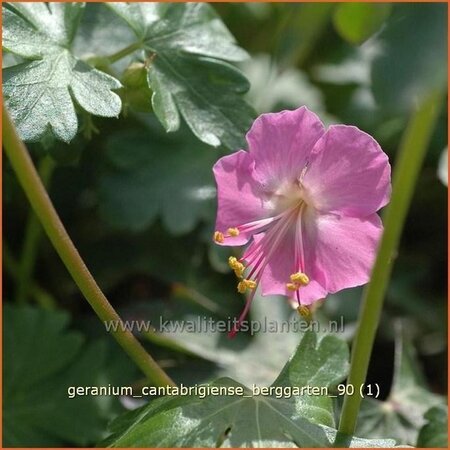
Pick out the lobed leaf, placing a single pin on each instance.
(43, 93)
(187, 51)
(167, 177)
(248, 420)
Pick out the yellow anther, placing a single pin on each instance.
(300, 278)
(237, 266)
(233, 232)
(305, 312)
(239, 271)
(241, 287)
(218, 237)
(232, 261)
(292, 286)
(246, 284)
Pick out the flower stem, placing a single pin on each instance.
(412, 151)
(46, 213)
(33, 234)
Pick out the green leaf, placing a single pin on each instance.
(270, 419)
(187, 49)
(413, 58)
(41, 360)
(357, 22)
(434, 433)
(241, 358)
(401, 415)
(41, 93)
(170, 177)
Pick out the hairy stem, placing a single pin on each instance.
(33, 234)
(412, 151)
(43, 207)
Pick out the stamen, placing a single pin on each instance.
(246, 284)
(233, 232)
(300, 278)
(259, 256)
(305, 312)
(292, 286)
(232, 261)
(244, 313)
(218, 237)
(241, 287)
(237, 266)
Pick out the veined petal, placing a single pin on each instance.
(280, 144)
(348, 173)
(344, 249)
(280, 267)
(338, 253)
(240, 196)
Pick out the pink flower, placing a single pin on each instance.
(305, 200)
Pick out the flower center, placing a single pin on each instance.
(288, 195)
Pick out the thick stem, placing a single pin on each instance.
(411, 154)
(33, 234)
(43, 207)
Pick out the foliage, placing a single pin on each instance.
(247, 421)
(357, 22)
(186, 48)
(434, 432)
(42, 360)
(130, 178)
(41, 91)
(402, 414)
(135, 103)
(416, 63)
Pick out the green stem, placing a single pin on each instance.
(43, 207)
(411, 154)
(33, 234)
(124, 52)
(42, 297)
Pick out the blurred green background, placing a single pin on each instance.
(140, 207)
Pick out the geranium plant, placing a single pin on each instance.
(131, 129)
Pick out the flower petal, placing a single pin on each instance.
(338, 252)
(280, 267)
(344, 249)
(348, 173)
(281, 142)
(240, 197)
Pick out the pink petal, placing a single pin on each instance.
(279, 269)
(344, 249)
(240, 197)
(338, 252)
(281, 142)
(348, 173)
